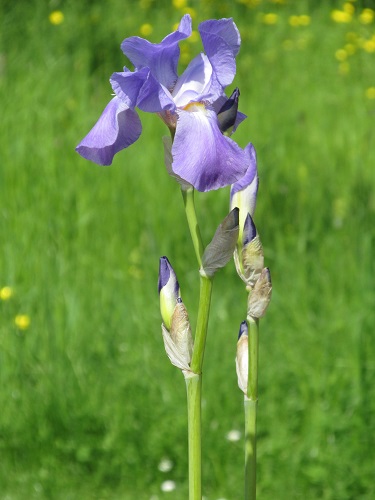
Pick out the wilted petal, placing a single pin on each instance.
(117, 128)
(201, 154)
(260, 297)
(221, 41)
(220, 250)
(161, 58)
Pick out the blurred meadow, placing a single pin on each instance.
(90, 407)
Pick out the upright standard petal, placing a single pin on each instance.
(202, 155)
(161, 58)
(117, 128)
(221, 41)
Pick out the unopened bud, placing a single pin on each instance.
(227, 114)
(242, 357)
(252, 253)
(260, 296)
(169, 290)
(178, 342)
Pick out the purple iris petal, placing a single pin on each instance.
(127, 85)
(251, 172)
(221, 41)
(202, 155)
(117, 128)
(161, 58)
(154, 97)
(195, 82)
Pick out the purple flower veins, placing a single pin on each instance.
(188, 104)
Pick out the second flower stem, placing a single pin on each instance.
(251, 404)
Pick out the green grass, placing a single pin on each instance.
(89, 402)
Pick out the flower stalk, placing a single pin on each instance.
(250, 405)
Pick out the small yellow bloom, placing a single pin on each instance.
(340, 16)
(294, 20)
(351, 36)
(369, 46)
(5, 293)
(288, 44)
(367, 16)
(350, 48)
(146, 29)
(191, 11)
(304, 20)
(344, 68)
(194, 37)
(341, 55)
(179, 4)
(370, 93)
(270, 18)
(349, 8)
(56, 17)
(22, 321)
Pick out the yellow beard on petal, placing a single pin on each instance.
(195, 107)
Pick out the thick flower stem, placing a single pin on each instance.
(194, 395)
(188, 197)
(251, 403)
(194, 381)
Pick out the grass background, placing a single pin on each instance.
(89, 402)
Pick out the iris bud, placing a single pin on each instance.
(227, 114)
(169, 291)
(260, 296)
(242, 357)
(252, 252)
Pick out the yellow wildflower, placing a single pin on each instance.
(146, 29)
(349, 8)
(340, 16)
(194, 37)
(341, 55)
(5, 293)
(344, 68)
(370, 93)
(22, 321)
(270, 18)
(351, 36)
(179, 4)
(350, 48)
(294, 20)
(304, 20)
(367, 16)
(191, 11)
(369, 46)
(56, 17)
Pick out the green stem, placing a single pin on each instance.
(251, 403)
(202, 324)
(194, 380)
(194, 395)
(188, 197)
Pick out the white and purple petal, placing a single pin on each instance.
(202, 155)
(195, 82)
(117, 128)
(243, 193)
(221, 41)
(161, 58)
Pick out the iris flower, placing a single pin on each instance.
(189, 104)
